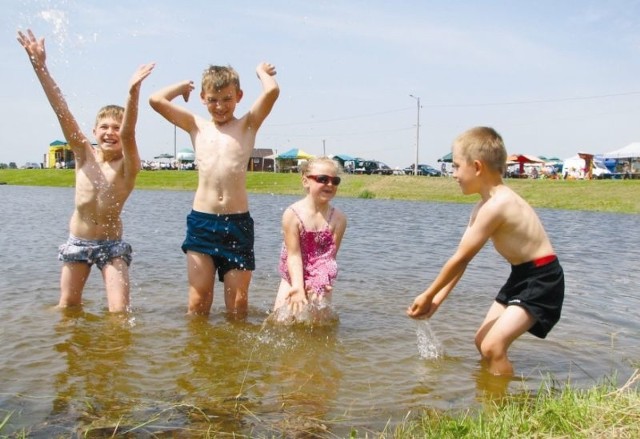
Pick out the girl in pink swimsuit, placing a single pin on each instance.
(313, 231)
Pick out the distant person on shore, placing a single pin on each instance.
(220, 230)
(105, 177)
(531, 300)
(313, 230)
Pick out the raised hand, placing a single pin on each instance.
(34, 47)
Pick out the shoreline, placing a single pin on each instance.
(611, 196)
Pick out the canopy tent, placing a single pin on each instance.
(295, 154)
(186, 155)
(343, 157)
(631, 151)
(447, 158)
(288, 161)
(164, 156)
(521, 159)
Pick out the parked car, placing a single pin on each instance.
(427, 170)
(371, 167)
(382, 169)
(31, 165)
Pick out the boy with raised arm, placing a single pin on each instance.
(531, 300)
(219, 228)
(105, 176)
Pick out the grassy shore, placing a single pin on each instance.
(554, 411)
(620, 196)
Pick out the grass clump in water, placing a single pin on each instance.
(367, 194)
(599, 412)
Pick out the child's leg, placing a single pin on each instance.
(116, 281)
(72, 279)
(500, 328)
(200, 271)
(236, 291)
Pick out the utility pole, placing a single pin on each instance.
(415, 166)
(324, 149)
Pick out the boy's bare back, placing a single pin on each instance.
(518, 234)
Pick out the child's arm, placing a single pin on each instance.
(485, 221)
(340, 228)
(70, 129)
(161, 101)
(297, 296)
(128, 128)
(270, 92)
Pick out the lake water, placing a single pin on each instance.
(68, 372)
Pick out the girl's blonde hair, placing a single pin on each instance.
(484, 144)
(306, 166)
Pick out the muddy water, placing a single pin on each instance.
(66, 372)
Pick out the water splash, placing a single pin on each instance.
(60, 22)
(429, 346)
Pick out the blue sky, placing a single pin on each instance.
(553, 77)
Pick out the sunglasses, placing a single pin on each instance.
(325, 179)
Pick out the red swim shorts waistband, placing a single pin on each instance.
(544, 260)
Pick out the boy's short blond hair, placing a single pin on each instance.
(215, 78)
(306, 166)
(114, 111)
(484, 144)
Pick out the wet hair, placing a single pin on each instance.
(114, 111)
(306, 166)
(215, 78)
(484, 144)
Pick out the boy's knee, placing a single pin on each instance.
(491, 349)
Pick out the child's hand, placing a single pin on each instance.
(187, 89)
(34, 48)
(267, 68)
(296, 300)
(422, 307)
(140, 74)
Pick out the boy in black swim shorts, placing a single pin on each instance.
(531, 300)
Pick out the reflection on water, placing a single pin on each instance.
(156, 371)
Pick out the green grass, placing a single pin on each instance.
(554, 411)
(600, 412)
(621, 196)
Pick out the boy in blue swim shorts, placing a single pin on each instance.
(531, 300)
(105, 176)
(219, 227)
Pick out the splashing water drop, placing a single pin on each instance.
(429, 346)
(60, 23)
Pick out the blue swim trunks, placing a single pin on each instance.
(227, 238)
(99, 252)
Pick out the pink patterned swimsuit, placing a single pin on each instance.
(318, 257)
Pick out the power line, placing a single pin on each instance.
(462, 105)
(535, 101)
